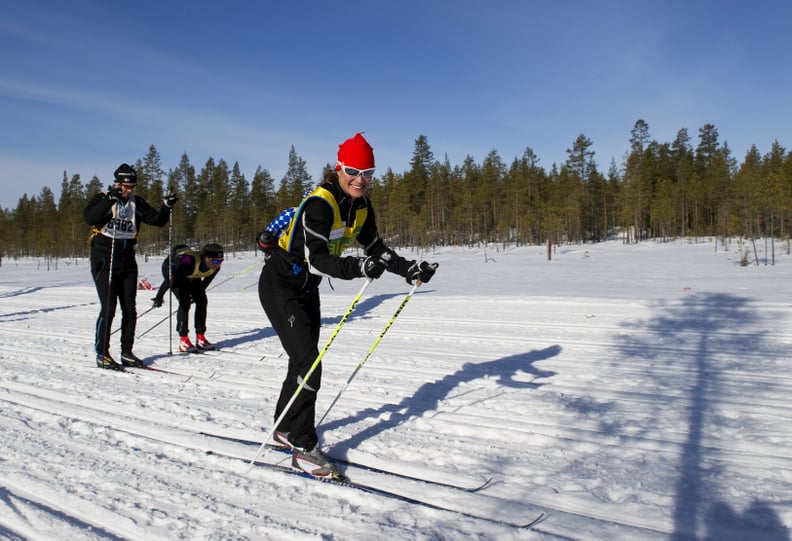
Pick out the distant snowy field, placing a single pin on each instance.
(624, 391)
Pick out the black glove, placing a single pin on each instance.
(157, 302)
(422, 271)
(170, 200)
(115, 195)
(266, 242)
(373, 267)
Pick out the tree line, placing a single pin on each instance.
(661, 190)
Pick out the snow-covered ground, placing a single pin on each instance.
(626, 391)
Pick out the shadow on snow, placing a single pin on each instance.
(706, 329)
(8, 499)
(428, 396)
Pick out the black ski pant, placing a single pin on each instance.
(296, 317)
(187, 291)
(121, 289)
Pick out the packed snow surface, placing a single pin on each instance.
(617, 391)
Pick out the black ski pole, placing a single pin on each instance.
(170, 278)
(157, 324)
(106, 323)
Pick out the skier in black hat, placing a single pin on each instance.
(116, 216)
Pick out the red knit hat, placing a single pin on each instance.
(356, 152)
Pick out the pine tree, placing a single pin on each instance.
(93, 187)
(418, 175)
(295, 182)
(581, 165)
(262, 196)
(73, 230)
(748, 184)
(150, 177)
(190, 200)
(45, 238)
(237, 212)
(214, 191)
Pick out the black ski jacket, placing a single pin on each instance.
(309, 259)
(99, 212)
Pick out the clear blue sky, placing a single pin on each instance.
(88, 84)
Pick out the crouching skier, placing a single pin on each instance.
(191, 273)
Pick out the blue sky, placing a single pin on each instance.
(86, 85)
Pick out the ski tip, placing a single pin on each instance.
(542, 516)
(486, 484)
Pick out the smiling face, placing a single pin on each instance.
(354, 182)
(355, 166)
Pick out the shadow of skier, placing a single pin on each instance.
(429, 395)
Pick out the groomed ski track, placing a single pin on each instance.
(532, 394)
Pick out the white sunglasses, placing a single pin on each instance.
(353, 172)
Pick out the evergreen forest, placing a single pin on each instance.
(660, 191)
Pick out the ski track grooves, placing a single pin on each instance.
(653, 376)
(189, 443)
(93, 413)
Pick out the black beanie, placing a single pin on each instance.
(125, 175)
(213, 250)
